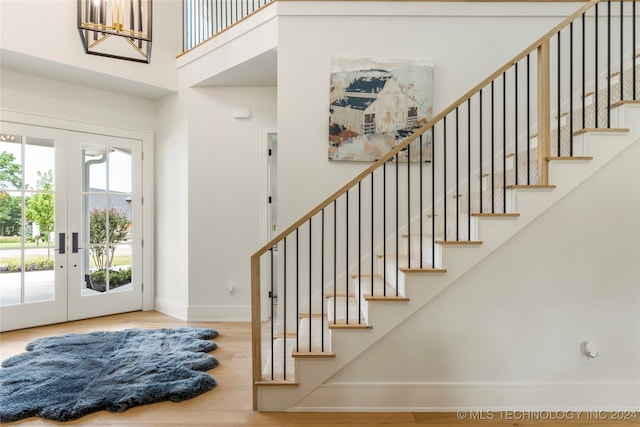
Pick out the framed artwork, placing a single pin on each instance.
(375, 104)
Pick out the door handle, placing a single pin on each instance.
(74, 243)
(62, 237)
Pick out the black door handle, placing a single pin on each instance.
(74, 243)
(62, 237)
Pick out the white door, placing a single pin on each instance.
(104, 211)
(69, 206)
(33, 226)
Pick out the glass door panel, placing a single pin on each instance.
(39, 213)
(108, 188)
(32, 217)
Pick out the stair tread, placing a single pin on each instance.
(497, 215)
(596, 130)
(350, 325)
(312, 354)
(573, 158)
(424, 270)
(532, 186)
(459, 242)
(392, 298)
(266, 381)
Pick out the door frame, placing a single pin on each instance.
(265, 210)
(148, 191)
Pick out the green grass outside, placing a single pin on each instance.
(41, 260)
(14, 245)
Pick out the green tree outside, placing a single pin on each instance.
(111, 226)
(10, 206)
(41, 206)
(10, 171)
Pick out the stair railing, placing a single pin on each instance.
(203, 19)
(395, 214)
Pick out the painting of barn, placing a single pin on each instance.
(375, 104)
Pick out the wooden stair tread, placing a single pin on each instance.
(339, 295)
(313, 354)
(459, 242)
(392, 298)
(624, 102)
(307, 315)
(596, 130)
(423, 270)
(497, 215)
(574, 158)
(287, 335)
(351, 325)
(531, 186)
(440, 240)
(274, 382)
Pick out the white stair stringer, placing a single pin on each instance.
(421, 287)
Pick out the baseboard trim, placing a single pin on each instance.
(488, 396)
(240, 313)
(171, 308)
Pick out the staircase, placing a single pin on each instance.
(356, 281)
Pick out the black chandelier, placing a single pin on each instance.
(116, 28)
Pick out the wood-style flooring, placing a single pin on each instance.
(229, 404)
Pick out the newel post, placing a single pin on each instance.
(256, 327)
(544, 112)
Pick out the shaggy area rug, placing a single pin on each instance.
(68, 376)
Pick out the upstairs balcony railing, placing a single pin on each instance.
(394, 215)
(203, 19)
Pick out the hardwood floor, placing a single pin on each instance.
(229, 404)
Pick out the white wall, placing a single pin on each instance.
(44, 32)
(460, 38)
(508, 334)
(51, 98)
(227, 162)
(172, 207)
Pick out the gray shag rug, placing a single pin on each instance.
(66, 377)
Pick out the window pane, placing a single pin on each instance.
(10, 162)
(96, 209)
(95, 167)
(39, 164)
(120, 272)
(120, 170)
(11, 217)
(39, 277)
(11, 253)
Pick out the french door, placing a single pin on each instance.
(70, 240)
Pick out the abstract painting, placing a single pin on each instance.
(375, 104)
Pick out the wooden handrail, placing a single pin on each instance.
(537, 44)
